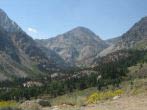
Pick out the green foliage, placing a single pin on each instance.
(8, 105)
(114, 71)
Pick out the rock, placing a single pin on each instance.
(43, 103)
(55, 108)
(116, 97)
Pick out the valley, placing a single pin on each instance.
(76, 70)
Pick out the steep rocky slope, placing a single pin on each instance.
(135, 37)
(20, 56)
(136, 34)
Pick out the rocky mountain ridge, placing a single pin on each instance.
(134, 38)
(20, 55)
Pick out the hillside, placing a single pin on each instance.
(19, 54)
(137, 33)
(134, 38)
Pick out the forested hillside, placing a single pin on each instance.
(109, 70)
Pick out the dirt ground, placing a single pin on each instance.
(138, 102)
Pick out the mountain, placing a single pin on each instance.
(7, 24)
(20, 55)
(78, 46)
(134, 38)
(135, 35)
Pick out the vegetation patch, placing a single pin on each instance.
(97, 96)
(4, 104)
(77, 98)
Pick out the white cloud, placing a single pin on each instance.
(32, 30)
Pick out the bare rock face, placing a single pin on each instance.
(77, 47)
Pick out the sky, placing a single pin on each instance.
(43, 19)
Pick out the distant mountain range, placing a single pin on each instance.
(80, 46)
(21, 56)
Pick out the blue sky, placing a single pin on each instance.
(48, 18)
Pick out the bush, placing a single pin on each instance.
(7, 104)
(97, 96)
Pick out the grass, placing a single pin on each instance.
(82, 98)
(29, 105)
(8, 105)
(92, 95)
(135, 86)
(138, 82)
(77, 98)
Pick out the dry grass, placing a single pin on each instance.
(4, 104)
(30, 105)
(77, 98)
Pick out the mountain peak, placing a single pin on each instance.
(7, 24)
(77, 46)
(81, 29)
(81, 33)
